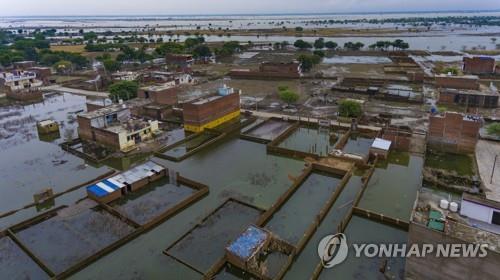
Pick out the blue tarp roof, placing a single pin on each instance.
(97, 191)
(102, 188)
(245, 244)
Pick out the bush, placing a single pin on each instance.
(301, 44)
(308, 61)
(287, 95)
(493, 129)
(350, 109)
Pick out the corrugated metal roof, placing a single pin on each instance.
(381, 144)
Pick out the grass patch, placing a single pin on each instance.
(460, 163)
(69, 48)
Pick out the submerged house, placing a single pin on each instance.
(114, 127)
(21, 85)
(112, 188)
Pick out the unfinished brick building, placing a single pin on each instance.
(479, 65)
(271, 70)
(164, 94)
(212, 111)
(454, 132)
(470, 98)
(457, 82)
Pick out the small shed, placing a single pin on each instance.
(47, 126)
(105, 191)
(244, 251)
(380, 148)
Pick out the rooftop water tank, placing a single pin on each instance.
(454, 207)
(444, 204)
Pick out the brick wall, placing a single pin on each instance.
(457, 82)
(204, 113)
(479, 65)
(453, 133)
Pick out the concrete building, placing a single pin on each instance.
(42, 73)
(21, 85)
(457, 82)
(479, 65)
(454, 132)
(380, 148)
(24, 65)
(212, 111)
(271, 70)
(164, 94)
(115, 128)
(125, 76)
(480, 209)
(486, 98)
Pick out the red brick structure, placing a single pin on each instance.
(400, 138)
(457, 82)
(474, 98)
(42, 73)
(183, 62)
(165, 94)
(479, 65)
(454, 132)
(270, 70)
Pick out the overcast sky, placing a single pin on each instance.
(170, 7)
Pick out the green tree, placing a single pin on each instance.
(63, 66)
(301, 44)
(319, 43)
(287, 95)
(452, 70)
(202, 51)
(111, 65)
(90, 36)
(308, 61)
(299, 29)
(124, 90)
(350, 109)
(331, 45)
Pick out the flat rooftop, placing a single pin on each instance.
(159, 87)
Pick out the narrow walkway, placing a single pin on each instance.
(312, 120)
(90, 93)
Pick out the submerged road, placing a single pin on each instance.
(90, 93)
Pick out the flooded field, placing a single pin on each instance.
(185, 147)
(148, 203)
(42, 164)
(16, 264)
(318, 141)
(360, 230)
(74, 233)
(396, 181)
(358, 144)
(205, 244)
(291, 221)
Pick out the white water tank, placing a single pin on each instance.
(444, 204)
(454, 207)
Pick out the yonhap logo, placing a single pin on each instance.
(332, 250)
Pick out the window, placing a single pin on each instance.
(496, 218)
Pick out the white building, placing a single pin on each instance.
(484, 210)
(21, 85)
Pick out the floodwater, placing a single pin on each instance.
(231, 168)
(151, 201)
(72, 235)
(357, 60)
(205, 245)
(360, 230)
(16, 264)
(191, 144)
(306, 261)
(318, 141)
(29, 165)
(358, 145)
(291, 221)
(396, 181)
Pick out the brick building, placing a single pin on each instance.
(271, 70)
(457, 82)
(478, 65)
(165, 94)
(115, 128)
(469, 98)
(212, 111)
(182, 62)
(454, 132)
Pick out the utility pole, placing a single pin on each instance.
(493, 170)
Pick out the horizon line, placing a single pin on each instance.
(259, 14)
